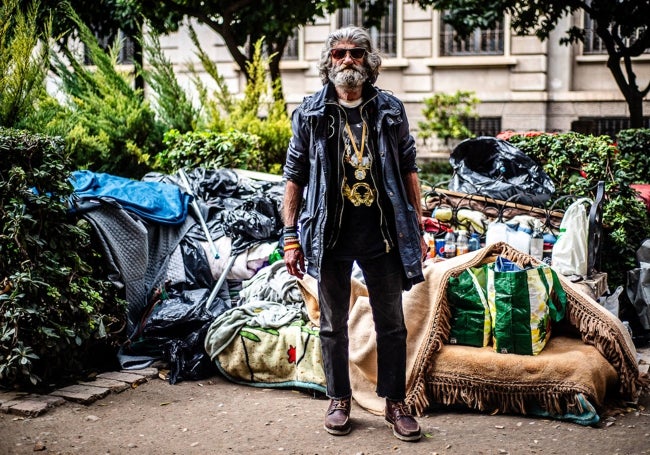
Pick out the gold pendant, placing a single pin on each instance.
(360, 174)
(360, 193)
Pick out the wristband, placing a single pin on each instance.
(292, 246)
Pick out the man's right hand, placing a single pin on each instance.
(295, 262)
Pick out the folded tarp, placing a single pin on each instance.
(157, 202)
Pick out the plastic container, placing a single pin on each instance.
(462, 243)
(496, 232)
(449, 250)
(474, 242)
(537, 245)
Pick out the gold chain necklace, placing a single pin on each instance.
(360, 172)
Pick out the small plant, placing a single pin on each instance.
(446, 115)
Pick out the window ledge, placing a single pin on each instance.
(602, 58)
(294, 65)
(472, 61)
(392, 62)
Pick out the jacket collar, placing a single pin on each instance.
(315, 104)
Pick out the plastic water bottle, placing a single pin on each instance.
(450, 244)
(537, 244)
(462, 243)
(474, 242)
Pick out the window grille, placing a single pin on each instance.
(483, 126)
(384, 37)
(593, 45)
(609, 126)
(480, 42)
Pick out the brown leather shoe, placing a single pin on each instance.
(337, 420)
(404, 426)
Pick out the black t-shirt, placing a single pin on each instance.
(359, 233)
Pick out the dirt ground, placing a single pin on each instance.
(215, 416)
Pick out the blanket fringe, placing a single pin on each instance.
(506, 399)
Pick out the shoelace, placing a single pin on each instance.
(399, 410)
(340, 404)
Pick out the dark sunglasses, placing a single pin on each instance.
(356, 53)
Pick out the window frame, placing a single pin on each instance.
(398, 27)
(462, 61)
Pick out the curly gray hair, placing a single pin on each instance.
(360, 38)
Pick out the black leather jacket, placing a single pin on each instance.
(308, 166)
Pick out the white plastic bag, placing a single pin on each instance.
(569, 256)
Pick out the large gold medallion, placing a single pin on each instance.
(360, 193)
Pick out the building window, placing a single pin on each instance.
(384, 37)
(480, 42)
(484, 126)
(608, 126)
(291, 50)
(593, 45)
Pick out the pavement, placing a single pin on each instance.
(104, 384)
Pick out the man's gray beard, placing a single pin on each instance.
(348, 78)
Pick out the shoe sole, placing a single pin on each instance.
(338, 432)
(401, 437)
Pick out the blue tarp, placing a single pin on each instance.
(157, 202)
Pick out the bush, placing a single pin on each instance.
(208, 149)
(54, 312)
(634, 146)
(575, 163)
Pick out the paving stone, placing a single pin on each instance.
(52, 401)
(31, 405)
(129, 378)
(82, 393)
(111, 384)
(151, 372)
(10, 396)
(7, 405)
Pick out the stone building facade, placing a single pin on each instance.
(523, 83)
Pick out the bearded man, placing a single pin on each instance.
(352, 195)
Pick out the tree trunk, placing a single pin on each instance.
(633, 96)
(276, 76)
(635, 104)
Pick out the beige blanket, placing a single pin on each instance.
(429, 366)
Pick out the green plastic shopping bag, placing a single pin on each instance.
(470, 313)
(523, 304)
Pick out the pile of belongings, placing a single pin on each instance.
(182, 249)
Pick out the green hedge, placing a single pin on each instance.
(634, 147)
(54, 311)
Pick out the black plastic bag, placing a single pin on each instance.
(187, 358)
(182, 314)
(495, 168)
(638, 285)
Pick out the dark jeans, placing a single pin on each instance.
(383, 277)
